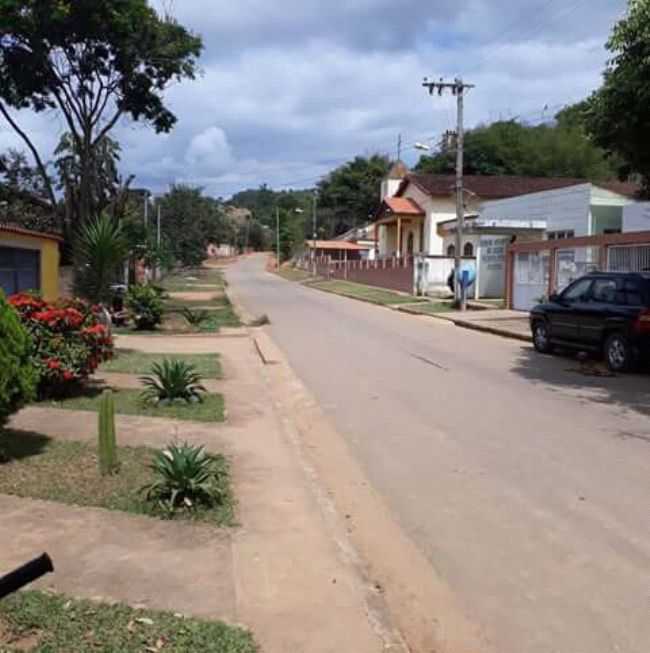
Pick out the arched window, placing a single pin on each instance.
(468, 250)
(451, 250)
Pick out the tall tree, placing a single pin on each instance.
(95, 61)
(562, 149)
(351, 192)
(191, 221)
(106, 187)
(23, 198)
(618, 114)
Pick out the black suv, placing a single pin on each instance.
(606, 312)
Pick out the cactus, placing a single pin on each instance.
(107, 443)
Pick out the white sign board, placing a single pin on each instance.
(492, 273)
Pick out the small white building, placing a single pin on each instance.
(578, 209)
(414, 205)
(636, 217)
(418, 216)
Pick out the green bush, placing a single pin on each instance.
(18, 376)
(186, 478)
(145, 307)
(170, 381)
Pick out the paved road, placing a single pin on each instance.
(524, 482)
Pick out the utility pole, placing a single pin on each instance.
(399, 147)
(457, 87)
(158, 226)
(314, 232)
(277, 234)
(146, 208)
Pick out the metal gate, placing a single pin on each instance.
(531, 279)
(628, 258)
(573, 263)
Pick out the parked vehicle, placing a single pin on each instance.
(606, 312)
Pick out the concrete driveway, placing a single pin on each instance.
(525, 482)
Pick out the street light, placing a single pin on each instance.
(422, 146)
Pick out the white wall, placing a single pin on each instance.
(563, 209)
(437, 210)
(636, 217)
(389, 187)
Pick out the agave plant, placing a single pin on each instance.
(170, 381)
(195, 318)
(186, 477)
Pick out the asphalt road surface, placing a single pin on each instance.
(525, 481)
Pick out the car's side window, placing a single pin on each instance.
(578, 291)
(604, 291)
(629, 293)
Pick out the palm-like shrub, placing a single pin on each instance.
(172, 381)
(100, 250)
(186, 477)
(145, 307)
(195, 318)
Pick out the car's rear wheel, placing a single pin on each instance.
(619, 353)
(541, 339)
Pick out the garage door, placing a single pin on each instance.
(20, 269)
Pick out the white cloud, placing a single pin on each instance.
(290, 90)
(209, 151)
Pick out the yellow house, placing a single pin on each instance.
(29, 260)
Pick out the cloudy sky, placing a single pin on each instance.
(291, 88)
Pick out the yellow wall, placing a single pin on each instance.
(49, 259)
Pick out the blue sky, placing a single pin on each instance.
(291, 88)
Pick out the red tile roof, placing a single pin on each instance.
(335, 244)
(21, 231)
(403, 206)
(501, 187)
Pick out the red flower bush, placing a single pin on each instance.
(68, 341)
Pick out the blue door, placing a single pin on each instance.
(20, 269)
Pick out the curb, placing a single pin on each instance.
(493, 330)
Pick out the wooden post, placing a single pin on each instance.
(345, 264)
(399, 237)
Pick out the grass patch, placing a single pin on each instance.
(128, 402)
(366, 293)
(188, 280)
(215, 302)
(431, 308)
(39, 467)
(127, 361)
(50, 623)
(293, 274)
(217, 318)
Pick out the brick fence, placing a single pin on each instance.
(392, 273)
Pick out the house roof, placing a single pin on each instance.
(502, 187)
(403, 206)
(335, 244)
(21, 231)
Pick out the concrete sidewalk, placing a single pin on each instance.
(286, 572)
(501, 322)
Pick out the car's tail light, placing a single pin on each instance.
(642, 323)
